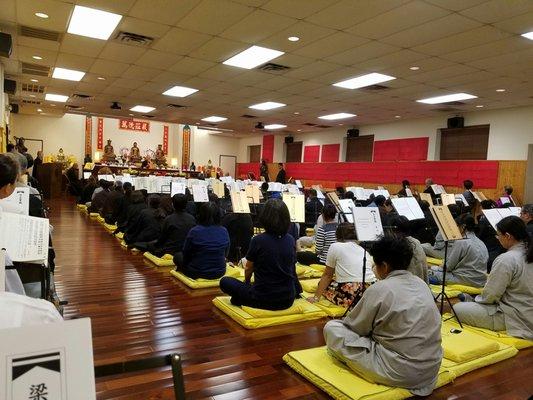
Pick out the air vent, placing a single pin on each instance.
(40, 34)
(71, 107)
(248, 116)
(34, 69)
(81, 96)
(148, 116)
(323, 126)
(34, 102)
(133, 39)
(309, 124)
(170, 105)
(31, 88)
(455, 103)
(271, 67)
(374, 88)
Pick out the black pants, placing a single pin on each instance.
(144, 246)
(307, 258)
(242, 295)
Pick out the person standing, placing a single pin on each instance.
(37, 164)
(263, 170)
(282, 174)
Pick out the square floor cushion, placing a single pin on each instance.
(453, 290)
(110, 228)
(253, 318)
(434, 261)
(207, 283)
(94, 215)
(306, 272)
(164, 261)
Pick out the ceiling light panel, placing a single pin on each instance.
(268, 105)
(364, 80)
(214, 118)
(180, 91)
(56, 97)
(447, 98)
(275, 126)
(528, 35)
(252, 57)
(331, 117)
(142, 109)
(93, 23)
(68, 74)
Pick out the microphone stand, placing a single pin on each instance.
(442, 295)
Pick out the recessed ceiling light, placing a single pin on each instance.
(93, 23)
(52, 105)
(41, 15)
(37, 57)
(528, 35)
(56, 97)
(298, 130)
(275, 126)
(131, 115)
(447, 98)
(500, 90)
(68, 74)
(293, 38)
(480, 106)
(364, 80)
(101, 78)
(142, 109)
(268, 105)
(39, 110)
(296, 113)
(34, 80)
(252, 57)
(32, 95)
(331, 117)
(397, 116)
(414, 68)
(180, 91)
(214, 118)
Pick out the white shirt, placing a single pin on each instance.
(347, 260)
(17, 310)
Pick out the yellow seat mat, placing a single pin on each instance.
(434, 261)
(307, 312)
(337, 380)
(435, 289)
(165, 261)
(465, 345)
(205, 283)
(332, 310)
(94, 215)
(500, 337)
(306, 272)
(124, 245)
(81, 207)
(453, 290)
(119, 236)
(110, 228)
(100, 219)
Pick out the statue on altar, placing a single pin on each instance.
(135, 154)
(61, 156)
(160, 158)
(109, 153)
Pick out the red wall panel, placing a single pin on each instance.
(414, 149)
(311, 153)
(330, 152)
(268, 148)
(244, 168)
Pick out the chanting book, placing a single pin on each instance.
(24, 238)
(447, 199)
(177, 188)
(296, 205)
(438, 189)
(359, 192)
(461, 197)
(252, 193)
(18, 202)
(239, 202)
(199, 194)
(479, 196)
(218, 188)
(346, 207)
(446, 224)
(334, 198)
(367, 223)
(408, 207)
(495, 215)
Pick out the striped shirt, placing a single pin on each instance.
(325, 237)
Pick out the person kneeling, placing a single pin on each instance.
(271, 259)
(206, 246)
(392, 336)
(345, 261)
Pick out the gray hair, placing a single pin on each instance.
(528, 209)
(16, 160)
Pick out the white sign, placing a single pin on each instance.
(24, 238)
(367, 223)
(55, 364)
(18, 202)
(199, 194)
(408, 207)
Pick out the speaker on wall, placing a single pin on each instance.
(289, 139)
(14, 108)
(456, 122)
(6, 45)
(10, 86)
(352, 133)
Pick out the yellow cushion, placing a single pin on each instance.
(100, 219)
(94, 215)
(318, 267)
(81, 207)
(307, 312)
(310, 285)
(119, 236)
(204, 283)
(336, 379)
(500, 337)
(435, 289)
(165, 261)
(110, 228)
(465, 345)
(296, 308)
(453, 290)
(310, 231)
(434, 261)
(304, 272)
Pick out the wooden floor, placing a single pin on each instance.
(138, 311)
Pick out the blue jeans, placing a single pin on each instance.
(242, 294)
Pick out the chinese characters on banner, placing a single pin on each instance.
(100, 135)
(165, 139)
(132, 125)
(88, 135)
(186, 148)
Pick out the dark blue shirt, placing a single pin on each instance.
(274, 261)
(204, 252)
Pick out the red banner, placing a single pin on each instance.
(268, 148)
(100, 135)
(88, 135)
(132, 125)
(165, 139)
(186, 148)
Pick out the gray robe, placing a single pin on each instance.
(510, 287)
(392, 336)
(418, 265)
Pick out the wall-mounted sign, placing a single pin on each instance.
(165, 139)
(132, 125)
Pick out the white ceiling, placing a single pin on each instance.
(471, 46)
